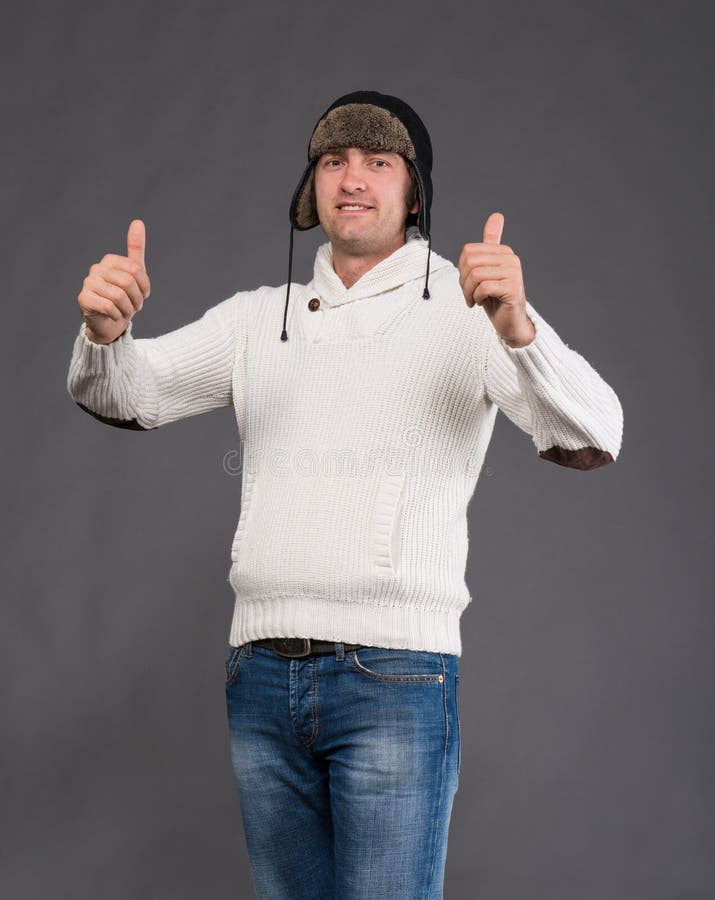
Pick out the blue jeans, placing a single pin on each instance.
(346, 766)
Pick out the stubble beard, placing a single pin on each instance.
(359, 243)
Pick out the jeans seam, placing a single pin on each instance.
(459, 724)
(439, 799)
(314, 701)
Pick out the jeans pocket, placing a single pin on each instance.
(232, 665)
(388, 664)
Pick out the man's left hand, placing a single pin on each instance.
(490, 276)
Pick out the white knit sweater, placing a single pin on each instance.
(362, 438)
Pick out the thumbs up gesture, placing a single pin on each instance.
(490, 276)
(115, 289)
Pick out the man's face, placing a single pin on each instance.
(379, 183)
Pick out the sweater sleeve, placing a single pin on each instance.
(142, 383)
(552, 393)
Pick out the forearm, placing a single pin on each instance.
(102, 379)
(552, 392)
(148, 382)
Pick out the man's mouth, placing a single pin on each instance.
(353, 208)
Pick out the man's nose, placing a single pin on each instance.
(352, 178)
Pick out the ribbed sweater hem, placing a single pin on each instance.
(406, 627)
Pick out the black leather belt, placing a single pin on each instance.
(296, 647)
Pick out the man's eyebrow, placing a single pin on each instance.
(368, 151)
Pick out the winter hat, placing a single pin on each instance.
(374, 121)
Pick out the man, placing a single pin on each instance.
(365, 427)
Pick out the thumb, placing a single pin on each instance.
(493, 228)
(136, 242)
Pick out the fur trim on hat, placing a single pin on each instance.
(360, 125)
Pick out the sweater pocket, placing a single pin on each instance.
(386, 525)
(249, 480)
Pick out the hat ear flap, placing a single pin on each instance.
(303, 213)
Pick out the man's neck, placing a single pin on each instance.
(350, 269)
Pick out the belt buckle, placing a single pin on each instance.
(292, 647)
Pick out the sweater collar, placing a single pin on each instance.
(407, 263)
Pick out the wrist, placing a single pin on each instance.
(521, 338)
(89, 334)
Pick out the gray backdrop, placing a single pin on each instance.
(586, 697)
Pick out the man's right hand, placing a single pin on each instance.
(115, 289)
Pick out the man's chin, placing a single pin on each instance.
(356, 244)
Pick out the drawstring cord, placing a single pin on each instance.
(284, 333)
(425, 293)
